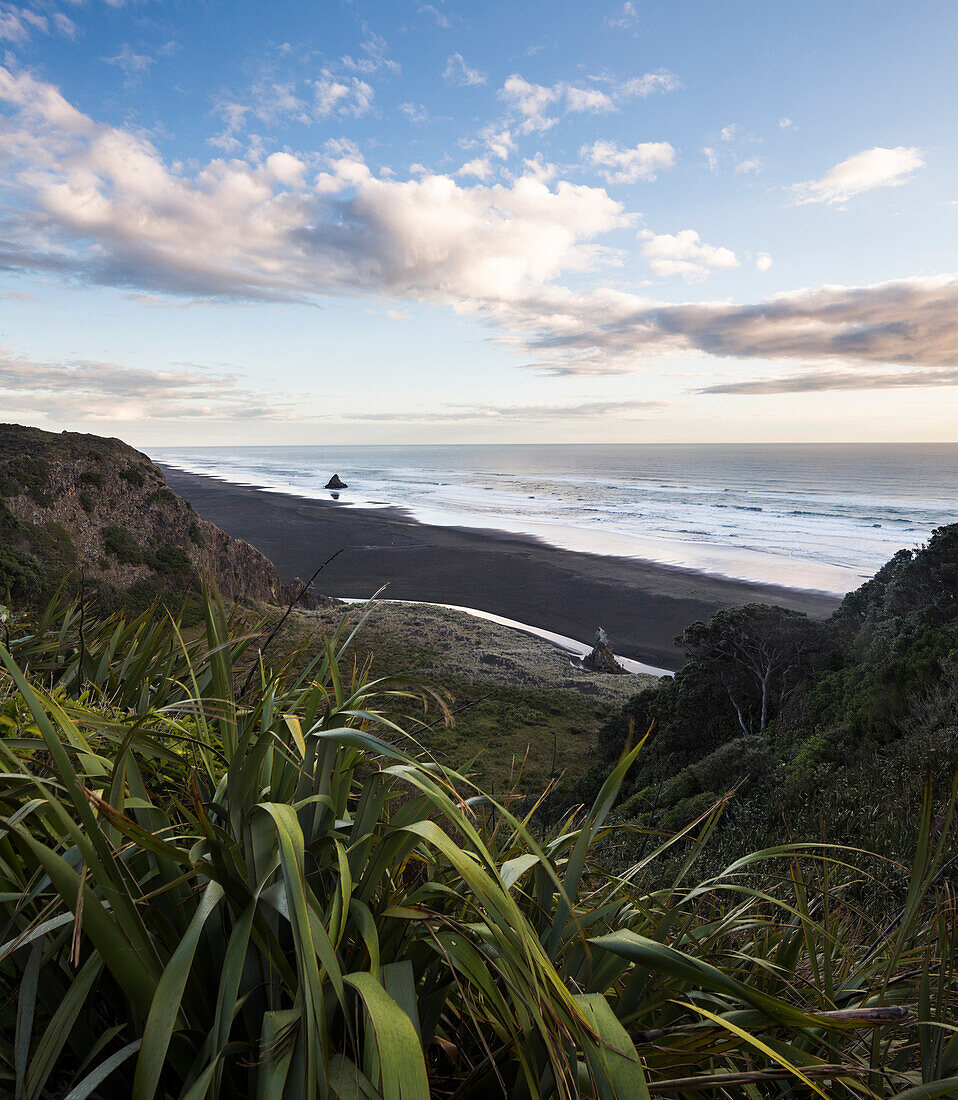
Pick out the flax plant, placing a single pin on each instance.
(214, 890)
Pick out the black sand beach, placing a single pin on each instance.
(642, 605)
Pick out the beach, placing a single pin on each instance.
(642, 605)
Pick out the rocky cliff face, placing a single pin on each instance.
(72, 503)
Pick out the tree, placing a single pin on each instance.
(758, 653)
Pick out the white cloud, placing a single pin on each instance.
(376, 57)
(878, 167)
(649, 84)
(459, 73)
(748, 167)
(41, 105)
(99, 204)
(415, 112)
(133, 65)
(106, 206)
(631, 164)
(763, 261)
(911, 323)
(584, 410)
(823, 381)
(96, 391)
(529, 102)
(684, 253)
(786, 124)
(623, 18)
(478, 167)
(588, 99)
(440, 18)
(728, 133)
(532, 104)
(286, 168)
(17, 24)
(351, 96)
(540, 168)
(498, 140)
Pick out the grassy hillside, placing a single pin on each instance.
(521, 711)
(80, 509)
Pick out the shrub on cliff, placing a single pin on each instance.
(119, 543)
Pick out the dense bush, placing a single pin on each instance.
(134, 475)
(119, 543)
(19, 574)
(799, 712)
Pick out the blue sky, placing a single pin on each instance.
(414, 222)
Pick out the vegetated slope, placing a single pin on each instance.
(73, 505)
(231, 888)
(522, 711)
(827, 727)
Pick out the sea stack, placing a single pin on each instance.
(335, 482)
(602, 659)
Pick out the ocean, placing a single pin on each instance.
(815, 516)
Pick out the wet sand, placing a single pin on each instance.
(642, 605)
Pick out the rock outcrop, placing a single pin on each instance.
(602, 659)
(72, 503)
(335, 482)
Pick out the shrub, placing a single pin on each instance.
(19, 573)
(134, 475)
(86, 501)
(53, 545)
(30, 476)
(91, 477)
(120, 544)
(164, 494)
(172, 560)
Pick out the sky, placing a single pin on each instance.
(408, 222)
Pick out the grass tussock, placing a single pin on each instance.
(216, 884)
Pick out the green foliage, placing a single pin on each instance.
(163, 495)
(28, 474)
(91, 477)
(208, 890)
(134, 475)
(119, 543)
(86, 501)
(833, 703)
(19, 574)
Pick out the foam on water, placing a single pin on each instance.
(817, 517)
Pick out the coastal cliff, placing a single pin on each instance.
(76, 505)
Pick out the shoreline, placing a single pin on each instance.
(641, 604)
(570, 646)
(747, 564)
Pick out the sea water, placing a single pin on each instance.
(821, 517)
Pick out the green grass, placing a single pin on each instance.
(505, 733)
(230, 879)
